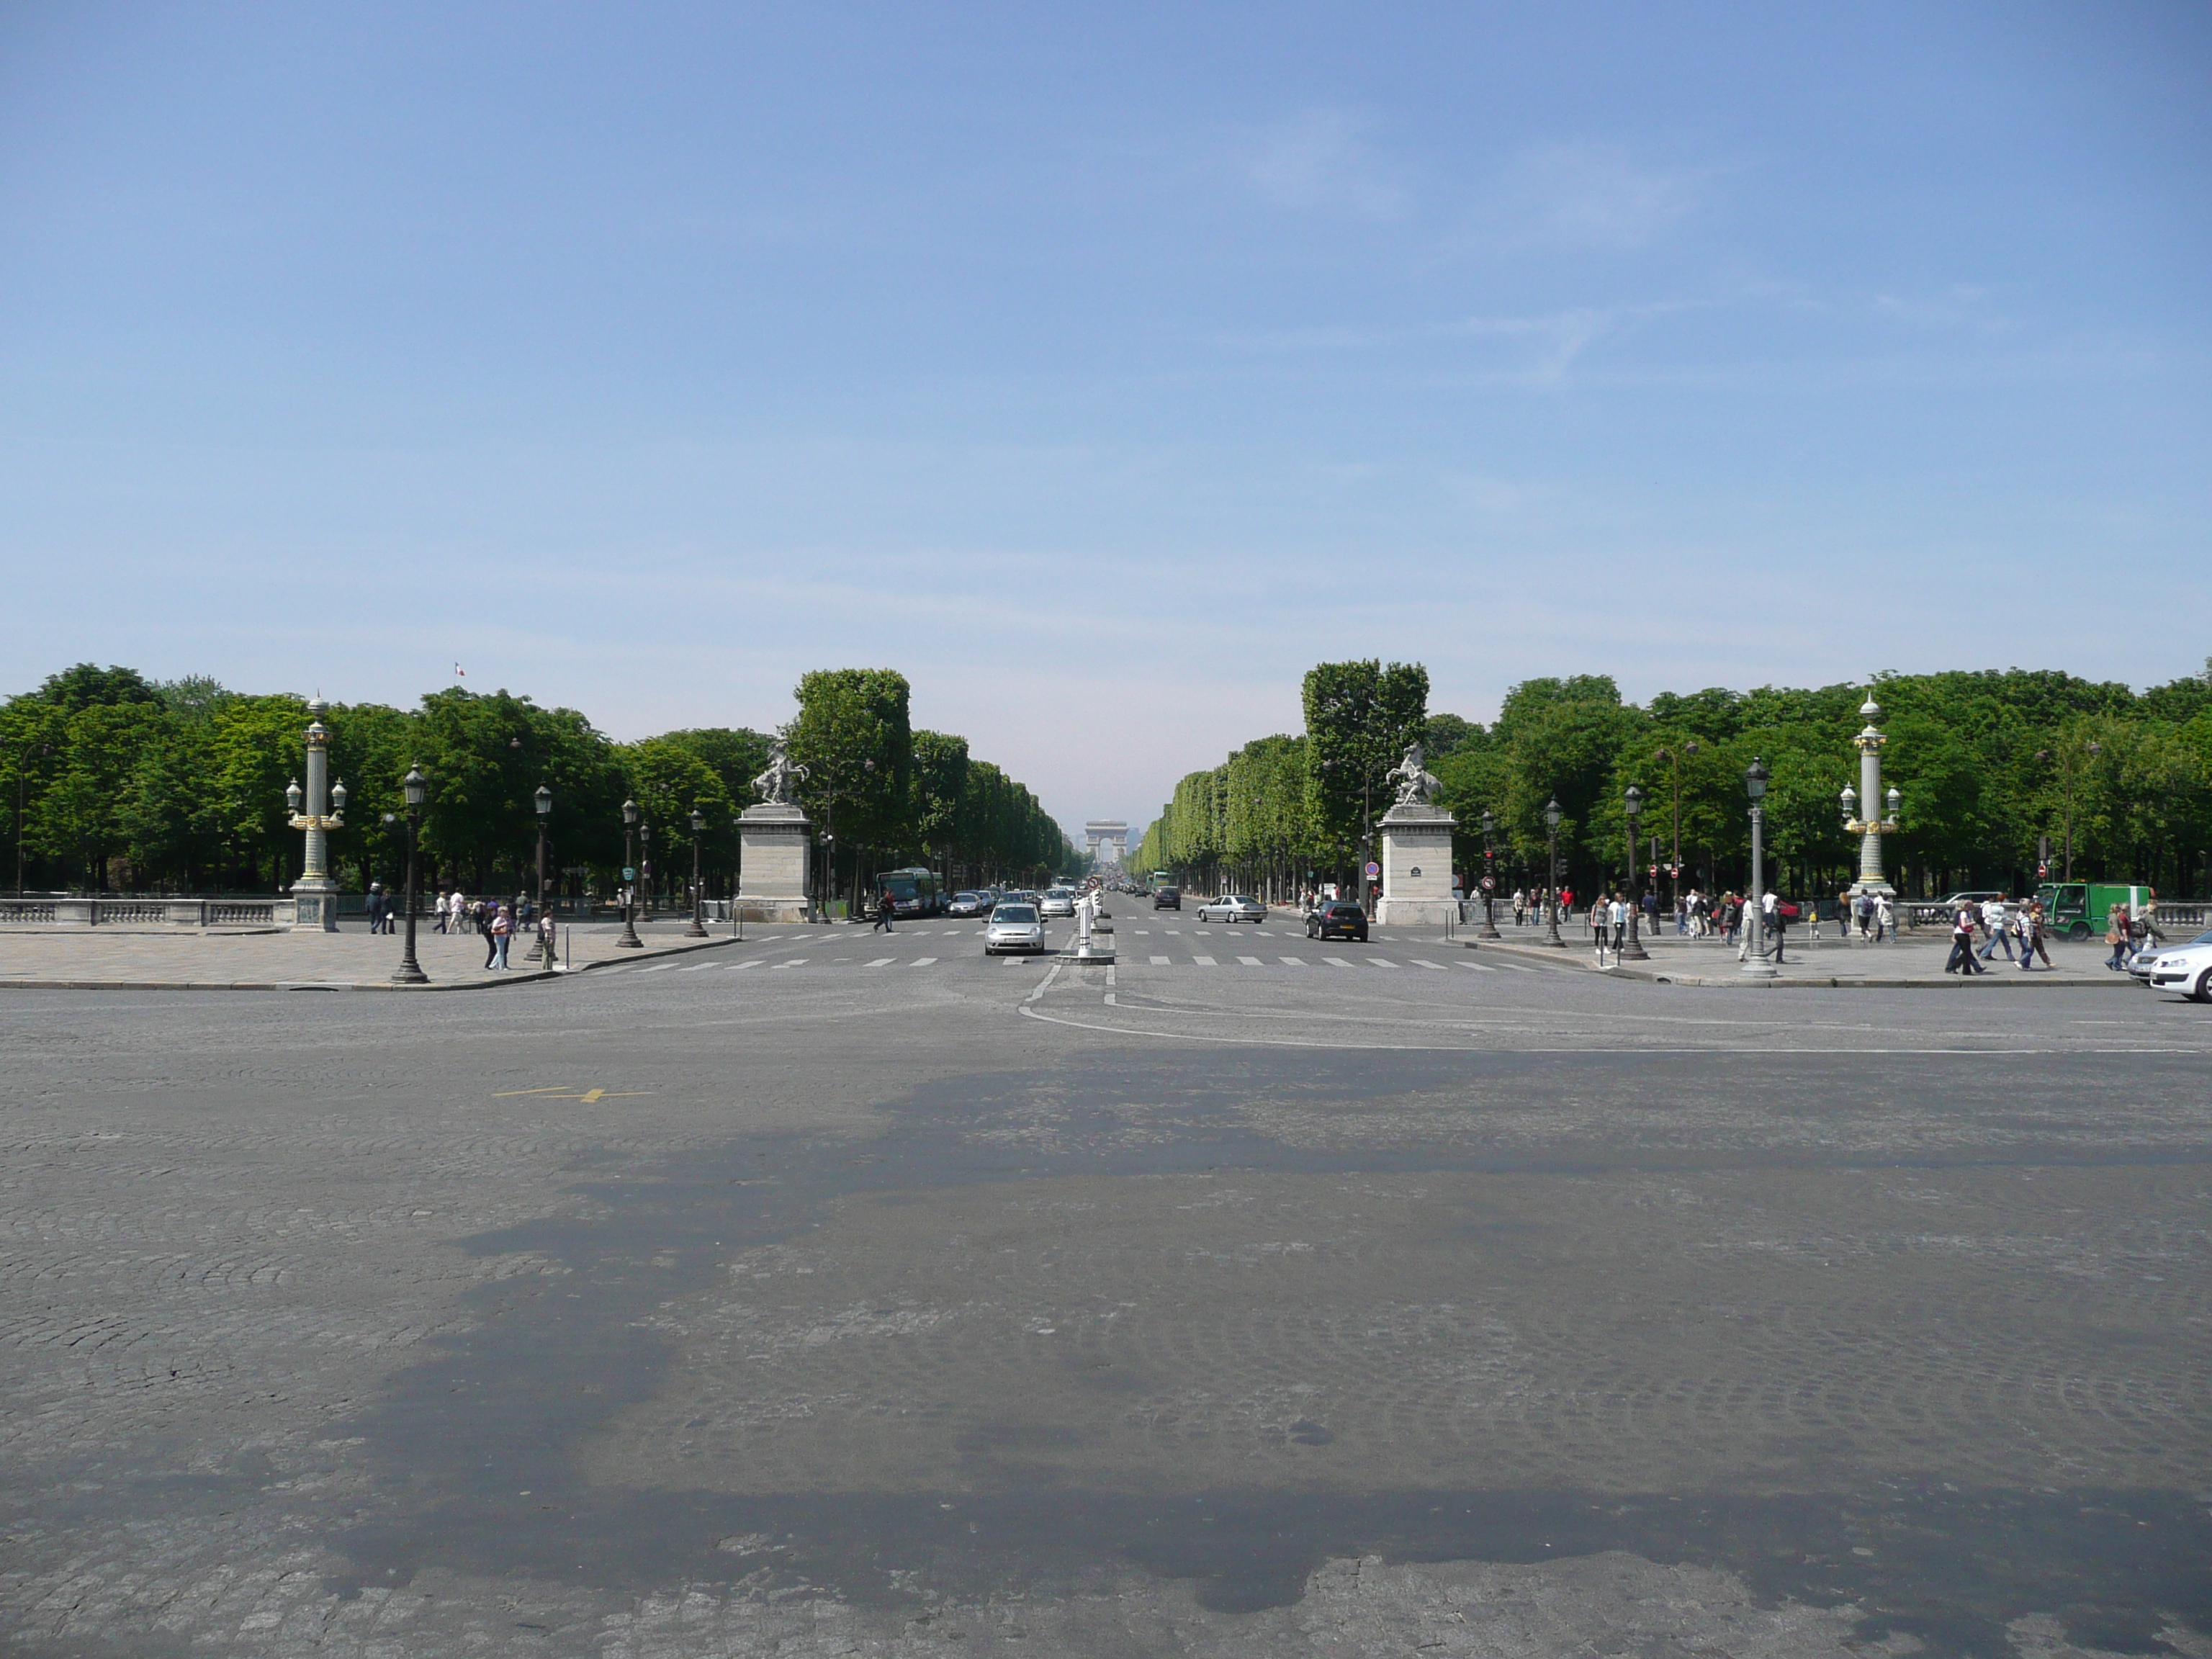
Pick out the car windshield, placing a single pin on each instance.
(2204, 937)
(1349, 912)
(963, 898)
(1014, 912)
(1241, 898)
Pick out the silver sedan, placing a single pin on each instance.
(1233, 907)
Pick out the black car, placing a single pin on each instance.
(1167, 899)
(1337, 920)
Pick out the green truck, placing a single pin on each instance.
(2077, 909)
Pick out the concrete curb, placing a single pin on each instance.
(509, 981)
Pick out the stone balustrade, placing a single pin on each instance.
(158, 914)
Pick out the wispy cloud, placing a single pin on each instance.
(1322, 160)
(1590, 194)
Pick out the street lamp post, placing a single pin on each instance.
(1755, 962)
(629, 940)
(543, 800)
(1551, 894)
(416, 787)
(1489, 928)
(697, 929)
(1632, 949)
(645, 867)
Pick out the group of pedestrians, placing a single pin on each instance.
(2017, 930)
(2128, 931)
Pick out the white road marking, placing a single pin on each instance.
(1383, 962)
(755, 962)
(1159, 962)
(698, 967)
(883, 962)
(1249, 962)
(1438, 966)
(796, 961)
(658, 968)
(1479, 967)
(1293, 962)
(923, 962)
(1203, 962)
(1336, 962)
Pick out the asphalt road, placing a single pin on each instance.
(831, 1293)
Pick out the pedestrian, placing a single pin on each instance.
(1777, 917)
(2117, 935)
(2034, 939)
(483, 915)
(1885, 918)
(547, 932)
(440, 926)
(1619, 911)
(374, 908)
(883, 912)
(500, 931)
(1995, 923)
(1962, 943)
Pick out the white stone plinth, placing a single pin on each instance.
(317, 899)
(774, 844)
(1417, 876)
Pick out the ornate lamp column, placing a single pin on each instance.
(1632, 948)
(315, 894)
(418, 788)
(1869, 830)
(629, 940)
(1755, 963)
(1551, 816)
(697, 929)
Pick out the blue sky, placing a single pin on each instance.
(1101, 368)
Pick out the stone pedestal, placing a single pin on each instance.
(317, 899)
(774, 844)
(1416, 877)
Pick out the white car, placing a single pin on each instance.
(2187, 968)
(1233, 907)
(1059, 902)
(1013, 927)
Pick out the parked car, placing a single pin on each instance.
(2184, 968)
(1059, 902)
(1233, 907)
(968, 904)
(1013, 927)
(1337, 919)
(1167, 899)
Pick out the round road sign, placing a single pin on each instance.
(1373, 871)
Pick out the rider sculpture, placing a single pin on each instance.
(774, 786)
(1416, 786)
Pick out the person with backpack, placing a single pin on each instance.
(883, 912)
(2117, 935)
(1777, 917)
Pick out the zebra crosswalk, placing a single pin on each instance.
(777, 962)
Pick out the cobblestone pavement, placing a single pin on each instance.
(352, 957)
(831, 1294)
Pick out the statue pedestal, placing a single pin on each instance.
(316, 897)
(774, 844)
(1416, 877)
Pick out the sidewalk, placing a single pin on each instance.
(1914, 961)
(351, 959)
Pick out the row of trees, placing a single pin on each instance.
(1995, 769)
(114, 781)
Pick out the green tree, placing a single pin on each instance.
(1360, 718)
